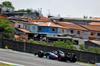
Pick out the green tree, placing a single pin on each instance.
(73, 42)
(64, 44)
(5, 26)
(35, 12)
(21, 10)
(93, 49)
(28, 10)
(7, 6)
(32, 41)
(81, 47)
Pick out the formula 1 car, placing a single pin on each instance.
(61, 56)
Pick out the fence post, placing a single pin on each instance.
(24, 46)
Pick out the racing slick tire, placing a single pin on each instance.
(60, 58)
(40, 54)
(73, 60)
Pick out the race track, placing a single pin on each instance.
(31, 60)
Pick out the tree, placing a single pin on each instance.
(7, 6)
(93, 50)
(32, 41)
(5, 26)
(21, 10)
(81, 47)
(64, 44)
(28, 10)
(35, 12)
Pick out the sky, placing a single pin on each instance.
(66, 8)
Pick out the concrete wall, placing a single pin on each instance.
(85, 34)
(26, 26)
(62, 31)
(91, 44)
(98, 37)
(69, 31)
(16, 25)
(78, 35)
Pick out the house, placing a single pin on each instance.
(41, 30)
(83, 21)
(74, 30)
(94, 31)
(49, 28)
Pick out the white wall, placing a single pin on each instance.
(85, 34)
(69, 31)
(78, 35)
(60, 31)
(16, 25)
(97, 35)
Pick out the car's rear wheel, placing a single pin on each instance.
(59, 57)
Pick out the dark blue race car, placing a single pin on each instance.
(61, 56)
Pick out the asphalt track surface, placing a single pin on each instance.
(31, 60)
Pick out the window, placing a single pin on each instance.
(53, 29)
(71, 31)
(78, 32)
(40, 29)
(33, 27)
(25, 26)
(63, 30)
(18, 26)
(92, 33)
(98, 34)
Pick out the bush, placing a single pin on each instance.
(32, 41)
(93, 50)
(81, 47)
(64, 44)
(42, 43)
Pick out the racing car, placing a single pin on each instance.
(60, 55)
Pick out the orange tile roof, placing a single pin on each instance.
(49, 24)
(71, 25)
(95, 17)
(3, 16)
(94, 23)
(16, 36)
(91, 27)
(23, 30)
(40, 19)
